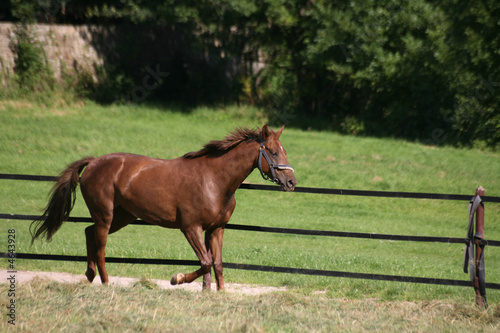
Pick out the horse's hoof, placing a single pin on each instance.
(90, 274)
(177, 279)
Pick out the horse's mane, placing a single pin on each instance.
(216, 148)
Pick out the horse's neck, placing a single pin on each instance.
(236, 165)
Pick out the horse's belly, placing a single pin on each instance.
(163, 214)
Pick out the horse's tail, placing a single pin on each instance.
(62, 200)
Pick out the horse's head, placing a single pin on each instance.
(275, 168)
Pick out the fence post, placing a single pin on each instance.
(479, 260)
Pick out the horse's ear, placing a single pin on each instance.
(266, 133)
(278, 134)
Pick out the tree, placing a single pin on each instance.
(402, 68)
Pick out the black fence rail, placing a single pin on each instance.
(311, 190)
(275, 269)
(259, 268)
(306, 232)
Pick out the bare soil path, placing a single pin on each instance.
(26, 276)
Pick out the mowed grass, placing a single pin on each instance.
(37, 140)
(88, 308)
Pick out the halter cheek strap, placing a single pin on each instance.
(272, 166)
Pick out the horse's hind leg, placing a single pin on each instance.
(97, 236)
(91, 253)
(101, 238)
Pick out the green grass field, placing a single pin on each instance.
(41, 140)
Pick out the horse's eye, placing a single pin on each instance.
(274, 153)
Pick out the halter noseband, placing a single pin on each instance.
(262, 151)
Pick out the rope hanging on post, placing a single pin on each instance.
(474, 264)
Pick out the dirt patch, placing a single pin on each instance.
(27, 276)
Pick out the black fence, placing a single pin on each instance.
(289, 270)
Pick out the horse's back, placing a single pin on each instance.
(144, 186)
(109, 168)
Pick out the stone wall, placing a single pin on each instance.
(120, 57)
(65, 46)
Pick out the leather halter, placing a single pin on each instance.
(272, 166)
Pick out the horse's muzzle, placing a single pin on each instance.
(289, 184)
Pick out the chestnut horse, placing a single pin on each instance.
(193, 193)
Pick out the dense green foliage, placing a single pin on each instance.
(417, 69)
(32, 70)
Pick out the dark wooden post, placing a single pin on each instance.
(480, 300)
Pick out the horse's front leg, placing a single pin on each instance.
(207, 278)
(216, 248)
(195, 238)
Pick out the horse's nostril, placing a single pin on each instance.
(290, 183)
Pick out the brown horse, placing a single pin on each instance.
(193, 193)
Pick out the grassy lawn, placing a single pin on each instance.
(89, 308)
(37, 140)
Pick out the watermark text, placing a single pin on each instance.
(11, 277)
